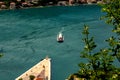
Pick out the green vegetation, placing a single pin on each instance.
(20, 79)
(31, 77)
(99, 64)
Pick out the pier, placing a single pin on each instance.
(41, 71)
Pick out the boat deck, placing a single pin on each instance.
(41, 71)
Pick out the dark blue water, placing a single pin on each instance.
(28, 35)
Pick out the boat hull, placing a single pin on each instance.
(60, 37)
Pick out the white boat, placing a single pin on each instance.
(60, 37)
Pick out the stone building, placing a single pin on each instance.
(91, 1)
(82, 1)
(12, 5)
(31, 0)
(71, 2)
(2, 5)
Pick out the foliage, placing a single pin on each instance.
(20, 79)
(99, 64)
(31, 77)
(112, 9)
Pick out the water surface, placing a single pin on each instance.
(28, 35)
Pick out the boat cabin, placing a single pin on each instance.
(60, 37)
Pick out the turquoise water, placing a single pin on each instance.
(28, 35)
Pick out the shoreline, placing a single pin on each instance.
(48, 6)
(18, 4)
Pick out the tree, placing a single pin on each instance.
(31, 77)
(112, 8)
(99, 64)
(20, 79)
